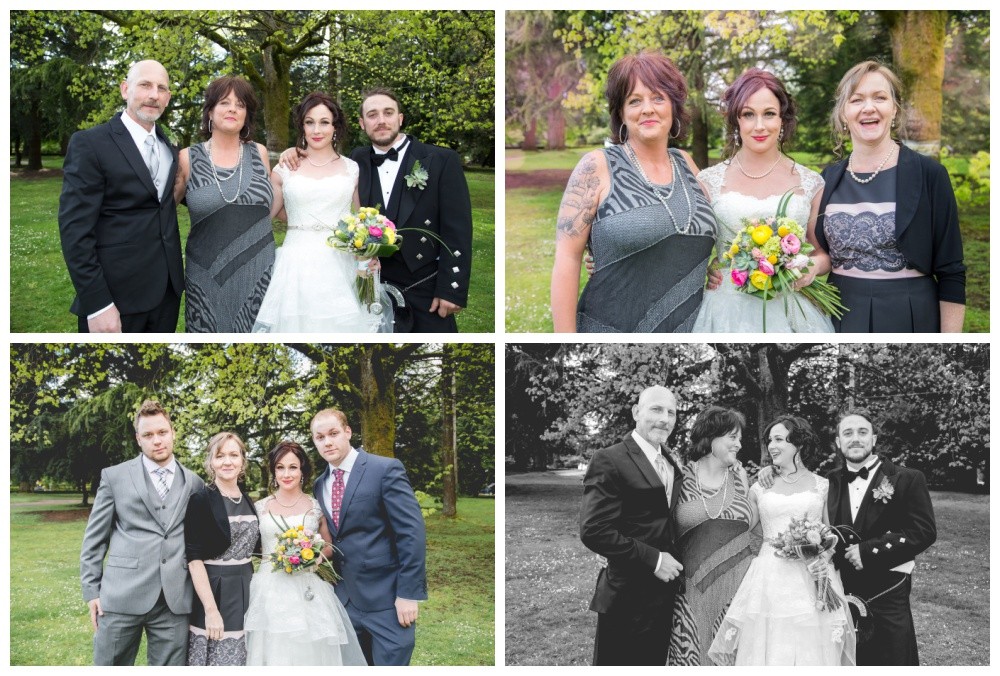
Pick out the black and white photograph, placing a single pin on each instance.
(750, 504)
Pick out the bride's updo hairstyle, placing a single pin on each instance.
(800, 435)
(312, 100)
(736, 96)
(280, 451)
(659, 74)
(712, 423)
(214, 444)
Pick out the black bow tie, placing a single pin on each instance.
(851, 476)
(392, 155)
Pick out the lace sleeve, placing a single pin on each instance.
(283, 172)
(352, 168)
(713, 178)
(812, 182)
(822, 487)
(261, 506)
(313, 517)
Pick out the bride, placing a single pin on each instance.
(294, 619)
(760, 117)
(774, 619)
(312, 286)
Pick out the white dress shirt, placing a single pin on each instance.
(151, 467)
(347, 465)
(388, 172)
(857, 490)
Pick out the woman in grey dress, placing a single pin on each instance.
(639, 209)
(226, 184)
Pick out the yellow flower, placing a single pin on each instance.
(390, 235)
(308, 554)
(760, 280)
(772, 259)
(783, 230)
(358, 243)
(281, 548)
(734, 249)
(761, 234)
(288, 569)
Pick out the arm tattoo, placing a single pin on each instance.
(578, 210)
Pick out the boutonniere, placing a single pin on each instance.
(417, 178)
(884, 492)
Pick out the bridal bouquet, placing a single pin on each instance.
(769, 254)
(805, 540)
(366, 234)
(300, 550)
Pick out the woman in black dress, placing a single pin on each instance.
(222, 532)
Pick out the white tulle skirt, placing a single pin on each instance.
(283, 627)
(773, 619)
(726, 310)
(312, 290)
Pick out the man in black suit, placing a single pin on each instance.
(433, 196)
(889, 508)
(628, 493)
(118, 218)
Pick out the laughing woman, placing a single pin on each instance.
(888, 218)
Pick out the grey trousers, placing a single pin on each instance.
(116, 642)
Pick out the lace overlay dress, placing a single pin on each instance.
(726, 309)
(773, 619)
(295, 619)
(229, 577)
(312, 288)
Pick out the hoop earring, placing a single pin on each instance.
(247, 137)
(210, 127)
(622, 133)
(674, 136)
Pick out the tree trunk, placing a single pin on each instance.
(918, 40)
(699, 118)
(449, 453)
(555, 132)
(276, 93)
(34, 140)
(530, 141)
(378, 404)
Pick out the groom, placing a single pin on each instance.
(138, 521)
(628, 494)
(378, 530)
(889, 507)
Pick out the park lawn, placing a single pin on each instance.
(49, 624)
(530, 244)
(41, 290)
(550, 576)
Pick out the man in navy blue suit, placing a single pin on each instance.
(378, 529)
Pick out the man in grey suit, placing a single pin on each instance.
(138, 521)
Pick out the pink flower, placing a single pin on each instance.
(790, 244)
(294, 560)
(739, 277)
(764, 266)
(374, 231)
(757, 254)
(389, 224)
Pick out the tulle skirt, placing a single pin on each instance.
(773, 619)
(285, 627)
(726, 310)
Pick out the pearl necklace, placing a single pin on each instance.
(663, 200)
(297, 501)
(749, 175)
(218, 183)
(785, 479)
(231, 499)
(850, 166)
(701, 493)
(335, 157)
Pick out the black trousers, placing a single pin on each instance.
(894, 642)
(161, 319)
(639, 638)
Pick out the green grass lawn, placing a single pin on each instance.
(49, 624)
(549, 577)
(530, 243)
(41, 291)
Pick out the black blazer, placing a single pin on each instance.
(625, 518)
(891, 532)
(120, 242)
(443, 207)
(926, 220)
(206, 524)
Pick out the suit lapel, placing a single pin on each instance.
(675, 489)
(318, 494)
(870, 508)
(124, 141)
(180, 506)
(357, 475)
(137, 472)
(833, 498)
(407, 197)
(639, 458)
(908, 187)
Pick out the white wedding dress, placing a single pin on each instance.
(312, 288)
(728, 310)
(773, 619)
(295, 619)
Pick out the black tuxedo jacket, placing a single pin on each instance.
(625, 518)
(443, 207)
(891, 532)
(926, 220)
(207, 533)
(120, 242)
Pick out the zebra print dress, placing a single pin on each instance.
(648, 277)
(230, 250)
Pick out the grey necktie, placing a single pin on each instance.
(661, 469)
(152, 159)
(161, 482)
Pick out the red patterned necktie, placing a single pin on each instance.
(337, 496)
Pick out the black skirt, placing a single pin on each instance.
(231, 590)
(908, 305)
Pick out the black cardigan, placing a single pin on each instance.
(206, 524)
(926, 220)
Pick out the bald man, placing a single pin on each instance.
(628, 494)
(118, 218)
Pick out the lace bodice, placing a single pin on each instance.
(731, 207)
(272, 525)
(777, 510)
(317, 203)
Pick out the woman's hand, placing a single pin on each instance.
(714, 280)
(291, 158)
(213, 624)
(807, 278)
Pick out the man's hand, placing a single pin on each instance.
(406, 611)
(669, 568)
(109, 321)
(853, 554)
(291, 158)
(766, 476)
(95, 610)
(444, 307)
